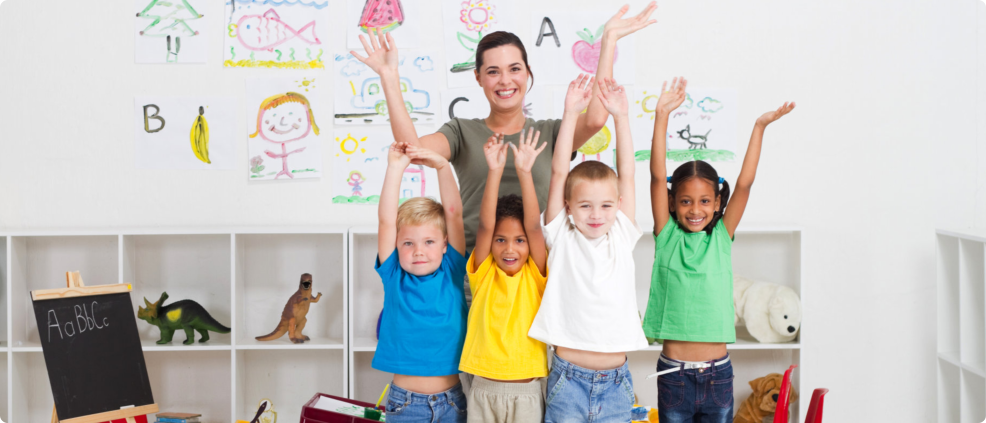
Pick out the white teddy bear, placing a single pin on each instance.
(772, 313)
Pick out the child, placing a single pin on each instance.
(589, 310)
(507, 273)
(691, 295)
(424, 314)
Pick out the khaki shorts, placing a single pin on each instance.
(499, 402)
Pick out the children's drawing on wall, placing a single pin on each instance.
(170, 31)
(398, 16)
(570, 43)
(184, 132)
(466, 22)
(287, 34)
(703, 128)
(359, 161)
(359, 97)
(600, 147)
(471, 103)
(283, 140)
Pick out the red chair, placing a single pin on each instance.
(815, 408)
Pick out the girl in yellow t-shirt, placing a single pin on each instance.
(507, 272)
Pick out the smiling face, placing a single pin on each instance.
(503, 77)
(593, 205)
(420, 248)
(285, 123)
(510, 248)
(694, 203)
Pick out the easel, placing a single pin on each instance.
(75, 287)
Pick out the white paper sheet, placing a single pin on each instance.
(172, 31)
(170, 139)
(405, 12)
(286, 34)
(359, 163)
(283, 133)
(558, 59)
(359, 97)
(703, 128)
(465, 23)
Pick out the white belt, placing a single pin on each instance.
(686, 365)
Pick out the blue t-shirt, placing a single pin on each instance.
(424, 318)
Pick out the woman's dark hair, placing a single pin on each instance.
(498, 39)
(700, 169)
(510, 206)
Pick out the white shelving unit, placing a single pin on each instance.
(243, 278)
(763, 254)
(961, 326)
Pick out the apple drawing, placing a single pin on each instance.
(585, 53)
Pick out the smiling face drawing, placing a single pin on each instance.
(284, 118)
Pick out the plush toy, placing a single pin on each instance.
(772, 313)
(763, 401)
(186, 315)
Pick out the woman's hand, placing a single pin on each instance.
(527, 152)
(617, 27)
(579, 94)
(672, 99)
(381, 52)
(613, 97)
(495, 151)
(397, 156)
(770, 117)
(426, 157)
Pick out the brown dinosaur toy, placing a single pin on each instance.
(293, 317)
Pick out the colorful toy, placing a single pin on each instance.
(772, 313)
(293, 318)
(186, 315)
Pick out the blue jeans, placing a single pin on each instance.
(695, 395)
(407, 406)
(577, 394)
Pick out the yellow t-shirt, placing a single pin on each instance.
(503, 307)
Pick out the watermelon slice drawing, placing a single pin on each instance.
(384, 15)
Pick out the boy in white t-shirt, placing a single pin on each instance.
(589, 309)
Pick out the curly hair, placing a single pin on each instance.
(509, 206)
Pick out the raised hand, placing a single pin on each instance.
(426, 157)
(672, 98)
(613, 97)
(770, 117)
(381, 52)
(398, 155)
(495, 151)
(617, 27)
(526, 152)
(579, 94)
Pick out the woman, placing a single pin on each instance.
(503, 73)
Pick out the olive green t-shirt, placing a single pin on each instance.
(466, 138)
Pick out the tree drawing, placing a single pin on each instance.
(169, 20)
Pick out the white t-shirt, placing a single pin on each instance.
(590, 302)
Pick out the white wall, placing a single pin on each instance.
(883, 99)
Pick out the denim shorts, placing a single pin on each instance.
(577, 394)
(407, 406)
(695, 395)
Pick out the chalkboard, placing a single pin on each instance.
(93, 354)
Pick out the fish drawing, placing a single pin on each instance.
(265, 32)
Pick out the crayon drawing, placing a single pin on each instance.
(570, 43)
(283, 141)
(466, 22)
(702, 128)
(401, 17)
(184, 132)
(359, 162)
(359, 97)
(288, 34)
(170, 31)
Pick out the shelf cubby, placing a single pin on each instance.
(973, 392)
(948, 391)
(365, 304)
(191, 381)
(31, 399)
(289, 378)
(948, 296)
(972, 306)
(366, 383)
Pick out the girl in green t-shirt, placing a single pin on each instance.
(690, 307)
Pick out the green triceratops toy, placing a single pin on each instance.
(187, 315)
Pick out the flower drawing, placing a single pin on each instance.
(477, 15)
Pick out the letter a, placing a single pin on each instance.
(546, 20)
(51, 313)
(147, 126)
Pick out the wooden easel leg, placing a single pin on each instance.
(131, 420)
(54, 414)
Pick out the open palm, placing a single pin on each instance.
(619, 27)
(381, 52)
(770, 117)
(495, 151)
(672, 98)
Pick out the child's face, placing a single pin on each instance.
(593, 206)
(510, 248)
(284, 123)
(420, 249)
(503, 77)
(695, 203)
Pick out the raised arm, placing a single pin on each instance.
(614, 98)
(382, 57)
(524, 156)
(449, 191)
(741, 192)
(577, 97)
(496, 158)
(397, 161)
(669, 100)
(615, 28)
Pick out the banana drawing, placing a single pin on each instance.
(200, 137)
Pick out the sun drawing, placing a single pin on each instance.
(305, 83)
(349, 145)
(644, 105)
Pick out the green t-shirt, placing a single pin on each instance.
(691, 290)
(466, 138)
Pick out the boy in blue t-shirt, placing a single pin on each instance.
(424, 313)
